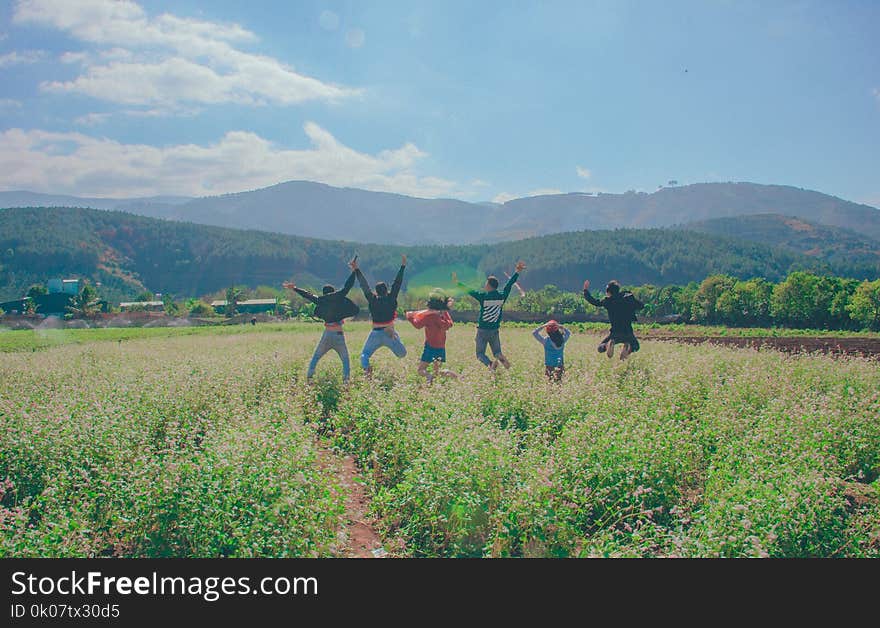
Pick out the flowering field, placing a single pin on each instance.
(210, 445)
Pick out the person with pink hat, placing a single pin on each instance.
(554, 348)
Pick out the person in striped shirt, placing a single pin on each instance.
(491, 302)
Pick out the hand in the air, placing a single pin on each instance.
(520, 266)
(289, 285)
(586, 284)
(403, 260)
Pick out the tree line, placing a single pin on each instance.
(803, 300)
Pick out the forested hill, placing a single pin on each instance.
(129, 253)
(840, 247)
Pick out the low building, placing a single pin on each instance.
(251, 306)
(18, 306)
(63, 286)
(53, 304)
(147, 306)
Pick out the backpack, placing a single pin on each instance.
(634, 303)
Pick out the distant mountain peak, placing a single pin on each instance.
(318, 210)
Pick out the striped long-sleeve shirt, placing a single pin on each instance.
(491, 303)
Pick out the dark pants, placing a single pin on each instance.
(629, 339)
(554, 373)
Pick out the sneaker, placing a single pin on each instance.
(493, 365)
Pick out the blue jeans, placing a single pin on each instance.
(380, 338)
(489, 337)
(334, 340)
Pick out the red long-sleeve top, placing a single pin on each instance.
(435, 324)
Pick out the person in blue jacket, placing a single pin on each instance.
(554, 348)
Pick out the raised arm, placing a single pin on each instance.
(536, 332)
(365, 286)
(348, 284)
(507, 287)
(516, 285)
(398, 281)
(520, 266)
(305, 294)
(479, 296)
(589, 297)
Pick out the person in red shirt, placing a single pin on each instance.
(435, 320)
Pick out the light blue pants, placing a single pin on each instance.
(379, 338)
(334, 340)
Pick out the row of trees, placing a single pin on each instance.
(801, 300)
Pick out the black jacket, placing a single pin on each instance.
(622, 308)
(333, 307)
(382, 309)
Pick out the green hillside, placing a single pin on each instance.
(129, 253)
(837, 246)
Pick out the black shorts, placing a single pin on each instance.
(629, 339)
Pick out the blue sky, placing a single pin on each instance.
(472, 100)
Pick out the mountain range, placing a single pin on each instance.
(316, 210)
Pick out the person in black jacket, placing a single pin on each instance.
(383, 311)
(333, 306)
(622, 308)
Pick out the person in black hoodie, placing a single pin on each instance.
(622, 308)
(383, 311)
(332, 307)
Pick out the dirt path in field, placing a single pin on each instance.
(831, 345)
(363, 540)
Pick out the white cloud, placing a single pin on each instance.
(583, 173)
(503, 197)
(92, 119)
(167, 60)
(79, 164)
(21, 58)
(355, 38)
